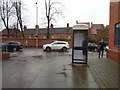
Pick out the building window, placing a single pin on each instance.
(69, 36)
(30, 36)
(93, 35)
(117, 34)
(44, 36)
(53, 36)
(62, 35)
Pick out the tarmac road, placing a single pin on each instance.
(33, 68)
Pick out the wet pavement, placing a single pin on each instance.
(105, 71)
(33, 68)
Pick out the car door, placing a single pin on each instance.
(89, 46)
(60, 45)
(54, 46)
(9, 46)
(13, 45)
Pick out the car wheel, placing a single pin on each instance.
(14, 49)
(95, 50)
(48, 49)
(64, 49)
(18, 49)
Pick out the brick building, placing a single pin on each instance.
(55, 33)
(13, 33)
(114, 31)
(95, 30)
(98, 27)
(62, 31)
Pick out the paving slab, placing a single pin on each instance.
(104, 70)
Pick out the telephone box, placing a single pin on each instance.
(80, 43)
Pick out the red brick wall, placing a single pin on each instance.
(4, 56)
(32, 42)
(113, 55)
(119, 21)
(114, 51)
(57, 35)
(113, 20)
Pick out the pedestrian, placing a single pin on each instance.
(84, 46)
(101, 48)
(26, 43)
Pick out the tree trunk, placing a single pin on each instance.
(22, 29)
(17, 29)
(48, 29)
(8, 32)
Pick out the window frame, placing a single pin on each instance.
(115, 35)
(44, 36)
(62, 35)
(52, 35)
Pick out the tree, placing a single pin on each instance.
(103, 34)
(52, 11)
(15, 31)
(11, 10)
(5, 13)
(17, 6)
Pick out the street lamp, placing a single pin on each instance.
(36, 13)
(37, 27)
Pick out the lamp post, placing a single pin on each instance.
(37, 27)
(36, 13)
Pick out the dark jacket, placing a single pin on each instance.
(102, 45)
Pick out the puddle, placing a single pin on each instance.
(13, 56)
(64, 73)
(22, 60)
(38, 57)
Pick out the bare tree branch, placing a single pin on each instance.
(51, 11)
(17, 6)
(46, 7)
(5, 13)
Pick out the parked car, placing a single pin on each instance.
(11, 46)
(106, 48)
(92, 47)
(56, 45)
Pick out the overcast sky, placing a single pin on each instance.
(96, 11)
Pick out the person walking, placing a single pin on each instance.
(26, 43)
(101, 47)
(84, 46)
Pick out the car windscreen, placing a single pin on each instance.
(59, 43)
(13, 43)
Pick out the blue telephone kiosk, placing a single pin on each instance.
(80, 43)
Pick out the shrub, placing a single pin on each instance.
(63, 38)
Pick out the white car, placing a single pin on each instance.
(56, 45)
